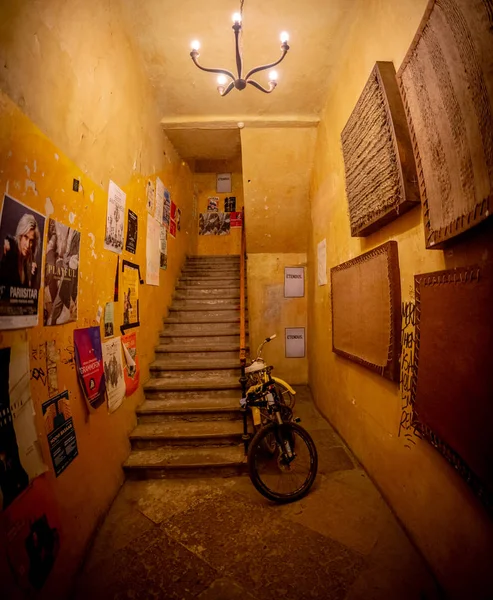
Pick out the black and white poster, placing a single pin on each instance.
(21, 243)
(294, 282)
(114, 218)
(163, 249)
(61, 274)
(113, 372)
(230, 204)
(214, 223)
(132, 228)
(295, 342)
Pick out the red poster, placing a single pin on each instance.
(132, 369)
(173, 210)
(236, 219)
(172, 228)
(89, 362)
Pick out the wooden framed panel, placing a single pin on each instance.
(446, 81)
(366, 313)
(452, 388)
(381, 181)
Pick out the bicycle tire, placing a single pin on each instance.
(266, 469)
(285, 396)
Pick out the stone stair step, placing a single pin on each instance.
(197, 338)
(206, 328)
(159, 386)
(205, 348)
(194, 395)
(208, 318)
(211, 278)
(186, 462)
(207, 288)
(171, 356)
(214, 257)
(197, 364)
(189, 433)
(182, 374)
(186, 293)
(206, 303)
(183, 409)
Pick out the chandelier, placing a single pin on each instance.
(226, 80)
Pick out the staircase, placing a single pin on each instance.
(190, 422)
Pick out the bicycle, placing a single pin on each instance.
(282, 458)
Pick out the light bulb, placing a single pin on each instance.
(236, 18)
(284, 37)
(195, 45)
(273, 76)
(221, 79)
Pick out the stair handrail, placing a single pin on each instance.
(243, 378)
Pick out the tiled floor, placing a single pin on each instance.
(218, 539)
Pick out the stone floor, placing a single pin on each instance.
(218, 539)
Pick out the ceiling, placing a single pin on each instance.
(193, 112)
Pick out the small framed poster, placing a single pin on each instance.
(295, 342)
(223, 183)
(294, 282)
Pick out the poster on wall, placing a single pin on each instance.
(294, 282)
(21, 245)
(132, 370)
(159, 208)
(113, 372)
(130, 286)
(132, 229)
(109, 319)
(61, 282)
(21, 460)
(236, 219)
(322, 262)
(59, 428)
(163, 249)
(230, 204)
(151, 196)
(223, 183)
(295, 342)
(152, 251)
(166, 207)
(32, 528)
(214, 223)
(115, 217)
(213, 203)
(173, 211)
(89, 363)
(172, 229)
(178, 219)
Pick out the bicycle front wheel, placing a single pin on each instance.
(287, 473)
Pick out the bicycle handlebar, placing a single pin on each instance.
(259, 349)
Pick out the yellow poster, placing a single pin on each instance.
(130, 288)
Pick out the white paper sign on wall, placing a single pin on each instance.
(295, 342)
(223, 182)
(294, 282)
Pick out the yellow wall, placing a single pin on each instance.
(438, 509)
(204, 188)
(75, 103)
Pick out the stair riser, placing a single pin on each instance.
(210, 274)
(202, 376)
(204, 314)
(234, 354)
(190, 395)
(207, 282)
(206, 304)
(184, 472)
(195, 340)
(230, 415)
(201, 329)
(207, 293)
(227, 440)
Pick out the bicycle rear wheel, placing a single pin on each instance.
(274, 474)
(285, 396)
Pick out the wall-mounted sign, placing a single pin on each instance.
(223, 183)
(294, 282)
(295, 342)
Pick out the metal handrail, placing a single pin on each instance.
(243, 379)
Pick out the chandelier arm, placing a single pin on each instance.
(239, 61)
(264, 67)
(228, 89)
(262, 89)
(223, 71)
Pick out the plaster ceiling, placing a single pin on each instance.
(162, 30)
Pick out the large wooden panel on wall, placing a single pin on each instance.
(452, 388)
(366, 300)
(446, 81)
(381, 181)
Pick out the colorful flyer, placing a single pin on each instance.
(115, 217)
(113, 372)
(151, 196)
(166, 208)
(59, 428)
(130, 286)
(109, 319)
(172, 229)
(178, 219)
(21, 247)
(20, 460)
(61, 282)
(152, 251)
(158, 211)
(132, 369)
(89, 362)
(213, 203)
(132, 229)
(236, 219)
(163, 249)
(173, 211)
